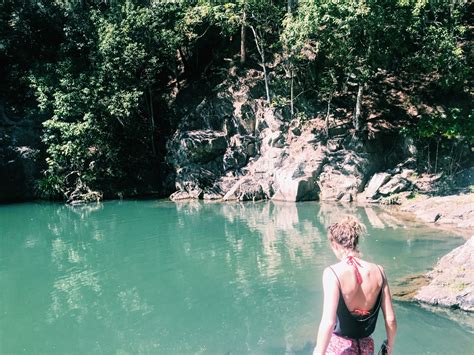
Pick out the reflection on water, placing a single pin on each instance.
(193, 277)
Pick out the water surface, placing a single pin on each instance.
(159, 277)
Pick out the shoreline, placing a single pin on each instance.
(449, 285)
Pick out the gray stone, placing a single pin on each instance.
(297, 182)
(457, 211)
(200, 146)
(193, 178)
(212, 196)
(452, 280)
(272, 121)
(244, 190)
(375, 183)
(396, 184)
(181, 195)
(276, 139)
(344, 175)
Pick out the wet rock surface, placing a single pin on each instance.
(452, 280)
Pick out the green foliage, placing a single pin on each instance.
(336, 46)
(454, 123)
(103, 106)
(101, 76)
(348, 40)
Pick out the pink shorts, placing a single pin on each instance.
(346, 346)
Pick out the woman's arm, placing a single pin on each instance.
(389, 316)
(328, 319)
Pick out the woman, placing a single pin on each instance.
(354, 291)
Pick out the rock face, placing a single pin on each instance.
(232, 146)
(213, 142)
(200, 146)
(452, 280)
(345, 175)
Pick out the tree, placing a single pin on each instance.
(104, 106)
(261, 20)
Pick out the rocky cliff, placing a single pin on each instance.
(232, 146)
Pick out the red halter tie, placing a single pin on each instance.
(352, 261)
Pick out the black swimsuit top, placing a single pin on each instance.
(354, 326)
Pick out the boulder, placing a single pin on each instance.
(300, 189)
(344, 176)
(193, 178)
(336, 186)
(452, 280)
(276, 139)
(212, 194)
(180, 195)
(240, 148)
(212, 113)
(375, 183)
(246, 189)
(297, 181)
(396, 184)
(272, 118)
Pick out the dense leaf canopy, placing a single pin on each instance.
(101, 75)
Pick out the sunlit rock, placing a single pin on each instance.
(375, 183)
(452, 280)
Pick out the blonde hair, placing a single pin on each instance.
(346, 232)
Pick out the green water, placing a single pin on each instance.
(159, 277)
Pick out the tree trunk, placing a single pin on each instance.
(292, 107)
(289, 7)
(265, 75)
(262, 56)
(358, 108)
(242, 37)
(152, 118)
(328, 114)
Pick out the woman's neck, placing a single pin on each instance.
(348, 254)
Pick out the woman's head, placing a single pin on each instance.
(345, 234)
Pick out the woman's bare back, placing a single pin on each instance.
(357, 296)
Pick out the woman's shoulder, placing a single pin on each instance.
(371, 264)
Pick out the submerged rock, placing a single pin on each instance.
(452, 280)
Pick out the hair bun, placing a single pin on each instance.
(346, 232)
(354, 223)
